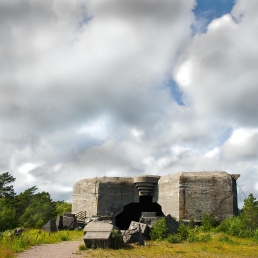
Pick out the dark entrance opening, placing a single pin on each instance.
(133, 210)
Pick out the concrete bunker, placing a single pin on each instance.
(183, 195)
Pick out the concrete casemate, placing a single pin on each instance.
(183, 195)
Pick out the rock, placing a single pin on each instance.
(18, 231)
(136, 233)
(172, 224)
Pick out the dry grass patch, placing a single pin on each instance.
(212, 249)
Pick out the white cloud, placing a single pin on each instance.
(27, 167)
(212, 153)
(83, 91)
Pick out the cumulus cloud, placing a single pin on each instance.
(84, 91)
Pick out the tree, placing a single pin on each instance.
(249, 213)
(62, 207)
(23, 200)
(7, 216)
(40, 209)
(6, 190)
(7, 199)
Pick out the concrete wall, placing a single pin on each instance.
(168, 194)
(85, 196)
(184, 195)
(114, 193)
(206, 192)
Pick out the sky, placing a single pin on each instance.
(92, 88)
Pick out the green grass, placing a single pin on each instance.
(9, 244)
(219, 245)
(216, 245)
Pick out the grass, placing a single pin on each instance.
(218, 245)
(9, 244)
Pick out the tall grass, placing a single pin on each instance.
(10, 244)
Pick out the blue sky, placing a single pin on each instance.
(212, 9)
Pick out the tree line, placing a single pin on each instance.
(26, 209)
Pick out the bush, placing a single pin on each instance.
(182, 230)
(191, 224)
(192, 237)
(237, 228)
(209, 221)
(255, 237)
(116, 239)
(224, 226)
(159, 231)
(82, 247)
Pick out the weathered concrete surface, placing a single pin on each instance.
(148, 218)
(184, 195)
(103, 196)
(146, 184)
(169, 195)
(85, 196)
(97, 233)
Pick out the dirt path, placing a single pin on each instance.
(65, 249)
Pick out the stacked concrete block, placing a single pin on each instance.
(98, 234)
(148, 218)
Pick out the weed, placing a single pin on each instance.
(173, 239)
(82, 247)
(182, 230)
(205, 238)
(255, 237)
(225, 239)
(116, 239)
(192, 237)
(159, 230)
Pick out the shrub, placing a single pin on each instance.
(224, 226)
(255, 237)
(237, 228)
(191, 224)
(159, 231)
(192, 237)
(82, 247)
(209, 221)
(116, 239)
(182, 230)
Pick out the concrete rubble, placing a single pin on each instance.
(136, 233)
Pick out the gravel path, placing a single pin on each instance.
(65, 249)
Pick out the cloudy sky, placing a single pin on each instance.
(121, 88)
